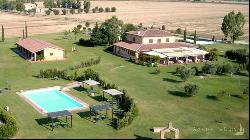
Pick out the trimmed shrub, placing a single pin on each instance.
(196, 70)
(64, 11)
(94, 10)
(56, 12)
(9, 128)
(113, 9)
(86, 63)
(107, 9)
(47, 12)
(72, 11)
(100, 9)
(191, 89)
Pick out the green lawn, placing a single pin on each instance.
(158, 97)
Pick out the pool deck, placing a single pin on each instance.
(45, 113)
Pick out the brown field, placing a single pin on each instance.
(206, 18)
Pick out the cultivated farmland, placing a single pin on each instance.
(206, 18)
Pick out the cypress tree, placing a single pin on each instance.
(195, 37)
(26, 30)
(2, 33)
(185, 34)
(23, 34)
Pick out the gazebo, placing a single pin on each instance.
(112, 93)
(91, 83)
(54, 115)
(97, 108)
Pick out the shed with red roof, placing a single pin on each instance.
(34, 50)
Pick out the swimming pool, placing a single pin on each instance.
(52, 100)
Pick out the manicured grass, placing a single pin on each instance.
(158, 97)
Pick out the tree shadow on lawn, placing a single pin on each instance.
(178, 93)
(141, 137)
(212, 97)
(85, 115)
(237, 96)
(171, 80)
(80, 89)
(45, 122)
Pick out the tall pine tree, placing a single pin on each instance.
(2, 33)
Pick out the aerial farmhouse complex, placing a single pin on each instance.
(158, 42)
(33, 50)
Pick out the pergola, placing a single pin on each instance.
(91, 82)
(64, 113)
(112, 93)
(97, 108)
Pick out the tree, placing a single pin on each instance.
(126, 28)
(20, 5)
(178, 31)
(113, 9)
(96, 36)
(76, 31)
(2, 33)
(195, 37)
(100, 9)
(163, 27)
(26, 30)
(213, 54)
(232, 25)
(87, 24)
(186, 73)
(86, 6)
(56, 12)
(72, 11)
(48, 4)
(209, 68)
(107, 9)
(185, 35)
(58, 3)
(140, 26)
(111, 28)
(23, 34)
(191, 89)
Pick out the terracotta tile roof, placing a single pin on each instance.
(151, 33)
(148, 47)
(129, 46)
(35, 45)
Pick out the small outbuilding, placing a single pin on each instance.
(34, 50)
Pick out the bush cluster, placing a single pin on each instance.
(86, 42)
(147, 60)
(223, 68)
(100, 9)
(52, 73)
(87, 63)
(9, 128)
(239, 55)
(131, 111)
(47, 12)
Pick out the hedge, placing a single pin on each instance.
(9, 128)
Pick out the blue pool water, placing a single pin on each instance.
(52, 100)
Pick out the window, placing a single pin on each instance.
(51, 54)
(158, 40)
(167, 39)
(150, 40)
